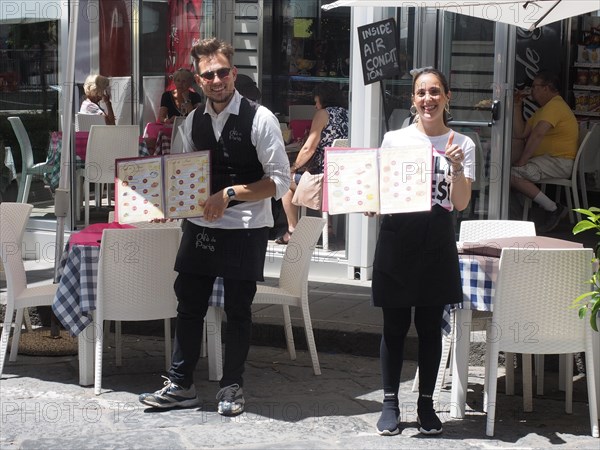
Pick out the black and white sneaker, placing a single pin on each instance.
(387, 425)
(231, 400)
(429, 423)
(171, 396)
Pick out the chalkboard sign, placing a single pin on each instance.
(378, 50)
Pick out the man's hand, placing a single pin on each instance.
(215, 206)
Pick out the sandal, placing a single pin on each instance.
(280, 239)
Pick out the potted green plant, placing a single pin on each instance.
(590, 301)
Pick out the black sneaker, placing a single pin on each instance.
(553, 218)
(231, 400)
(171, 396)
(387, 425)
(428, 421)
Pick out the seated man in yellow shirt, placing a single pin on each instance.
(550, 139)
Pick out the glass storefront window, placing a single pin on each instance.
(28, 90)
(305, 46)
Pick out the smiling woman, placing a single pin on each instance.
(410, 244)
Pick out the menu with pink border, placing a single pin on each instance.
(161, 187)
(382, 180)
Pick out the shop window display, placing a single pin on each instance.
(308, 46)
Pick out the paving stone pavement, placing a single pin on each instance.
(43, 407)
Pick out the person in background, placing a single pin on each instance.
(330, 122)
(248, 167)
(96, 88)
(545, 146)
(246, 86)
(415, 248)
(180, 101)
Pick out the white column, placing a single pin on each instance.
(365, 131)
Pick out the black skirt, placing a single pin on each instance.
(236, 254)
(416, 261)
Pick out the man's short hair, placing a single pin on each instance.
(211, 46)
(549, 79)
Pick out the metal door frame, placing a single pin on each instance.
(503, 82)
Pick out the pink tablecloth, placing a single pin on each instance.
(153, 128)
(92, 234)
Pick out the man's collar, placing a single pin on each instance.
(233, 107)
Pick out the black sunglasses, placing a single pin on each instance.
(209, 75)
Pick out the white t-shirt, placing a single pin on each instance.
(89, 107)
(440, 192)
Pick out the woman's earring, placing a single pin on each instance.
(447, 108)
(413, 110)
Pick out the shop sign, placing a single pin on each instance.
(378, 50)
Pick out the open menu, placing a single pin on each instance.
(161, 187)
(381, 180)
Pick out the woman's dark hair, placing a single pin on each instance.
(330, 95)
(416, 73)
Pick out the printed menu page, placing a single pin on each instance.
(351, 179)
(170, 186)
(382, 180)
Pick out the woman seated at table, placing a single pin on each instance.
(174, 103)
(95, 89)
(180, 101)
(330, 122)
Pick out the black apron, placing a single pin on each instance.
(237, 254)
(416, 261)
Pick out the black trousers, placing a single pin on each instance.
(193, 293)
(396, 322)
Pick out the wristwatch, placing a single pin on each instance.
(230, 192)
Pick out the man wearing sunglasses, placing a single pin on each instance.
(248, 167)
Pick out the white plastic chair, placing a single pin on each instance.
(13, 218)
(589, 144)
(292, 291)
(535, 297)
(105, 144)
(84, 122)
(176, 140)
(474, 231)
(111, 218)
(28, 168)
(135, 282)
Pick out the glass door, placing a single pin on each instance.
(476, 54)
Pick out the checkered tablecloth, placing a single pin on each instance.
(478, 275)
(75, 298)
(163, 144)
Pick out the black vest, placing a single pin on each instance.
(233, 159)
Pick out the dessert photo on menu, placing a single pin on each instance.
(381, 180)
(163, 187)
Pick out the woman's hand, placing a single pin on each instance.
(454, 153)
